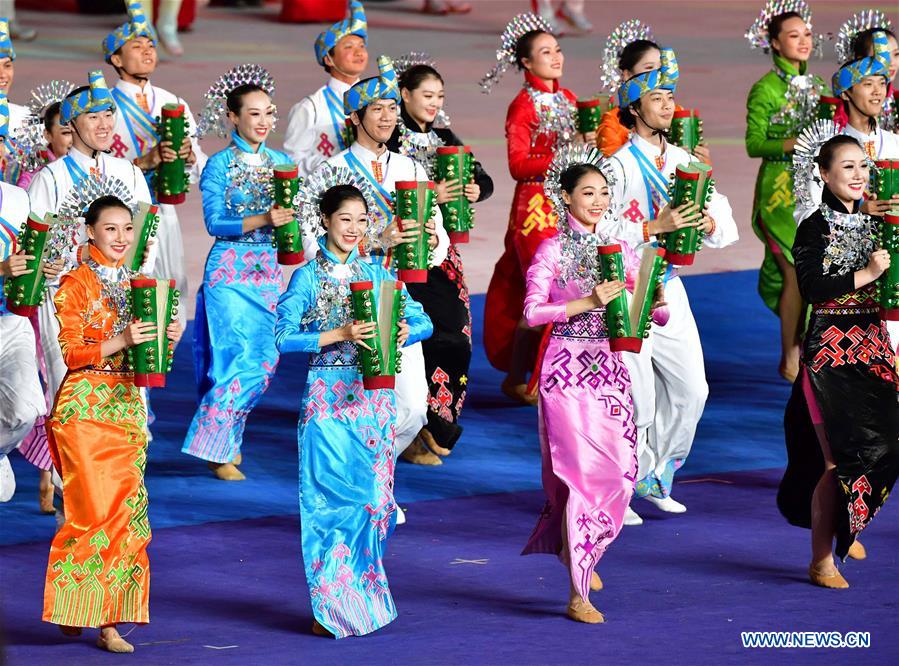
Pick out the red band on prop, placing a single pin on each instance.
(361, 286)
(680, 259)
(413, 275)
(609, 249)
(177, 112)
(626, 344)
(379, 382)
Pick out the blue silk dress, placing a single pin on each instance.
(234, 328)
(347, 450)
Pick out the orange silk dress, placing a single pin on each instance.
(98, 573)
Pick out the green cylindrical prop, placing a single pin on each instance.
(692, 182)
(153, 301)
(288, 238)
(456, 163)
(827, 107)
(26, 292)
(146, 224)
(171, 179)
(888, 283)
(886, 179)
(618, 319)
(415, 200)
(589, 114)
(686, 129)
(386, 307)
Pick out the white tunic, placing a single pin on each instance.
(411, 383)
(21, 396)
(48, 191)
(312, 129)
(128, 144)
(668, 375)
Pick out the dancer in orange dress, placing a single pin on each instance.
(98, 574)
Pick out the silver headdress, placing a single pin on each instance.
(579, 261)
(66, 235)
(505, 54)
(412, 59)
(214, 117)
(308, 198)
(863, 20)
(626, 32)
(805, 169)
(758, 31)
(28, 140)
(47, 93)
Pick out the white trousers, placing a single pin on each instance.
(170, 255)
(411, 397)
(21, 396)
(49, 327)
(669, 386)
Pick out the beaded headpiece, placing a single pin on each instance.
(805, 168)
(876, 65)
(137, 25)
(29, 136)
(566, 157)
(96, 98)
(406, 62)
(626, 32)
(505, 54)
(6, 48)
(354, 25)
(307, 201)
(857, 24)
(758, 32)
(46, 94)
(366, 91)
(214, 117)
(642, 84)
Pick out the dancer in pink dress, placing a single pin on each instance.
(586, 423)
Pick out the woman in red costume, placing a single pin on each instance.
(540, 119)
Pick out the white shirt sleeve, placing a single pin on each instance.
(42, 192)
(726, 232)
(616, 226)
(299, 138)
(438, 256)
(197, 168)
(142, 193)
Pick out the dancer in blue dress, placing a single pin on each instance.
(346, 432)
(234, 329)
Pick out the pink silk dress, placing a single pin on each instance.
(588, 439)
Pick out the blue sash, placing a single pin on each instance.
(141, 125)
(653, 180)
(75, 171)
(384, 198)
(335, 108)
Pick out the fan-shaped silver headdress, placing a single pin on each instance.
(568, 156)
(214, 117)
(805, 168)
(28, 139)
(65, 236)
(758, 32)
(626, 32)
(858, 23)
(308, 199)
(505, 54)
(412, 59)
(45, 94)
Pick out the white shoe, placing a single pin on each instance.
(631, 518)
(546, 12)
(668, 505)
(400, 515)
(7, 480)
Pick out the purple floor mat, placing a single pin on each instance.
(678, 589)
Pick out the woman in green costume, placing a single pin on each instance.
(779, 105)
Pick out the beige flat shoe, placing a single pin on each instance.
(857, 551)
(595, 582)
(226, 471)
(419, 454)
(432, 444)
(583, 611)
(116, 644)
(237, 460)
(834, 582)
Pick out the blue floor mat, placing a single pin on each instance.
(498, 452)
